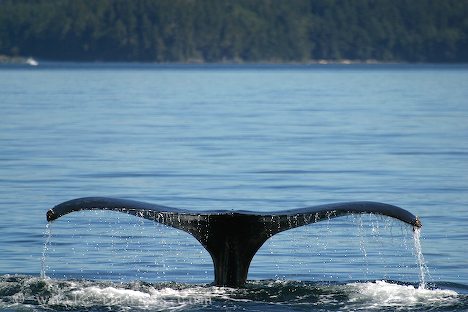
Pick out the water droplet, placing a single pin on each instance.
(47, 236)
(423, 270)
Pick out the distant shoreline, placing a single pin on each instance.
(23, 60)
(4, 59)
(236, 32)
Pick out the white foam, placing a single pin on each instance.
(150, 298)
(109, 296)
(81, 294)
(381, 293)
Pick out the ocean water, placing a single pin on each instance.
(245, 137)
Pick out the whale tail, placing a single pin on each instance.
(232, 238)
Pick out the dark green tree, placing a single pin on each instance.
(236, 30)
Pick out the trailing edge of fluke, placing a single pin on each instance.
(231, 237)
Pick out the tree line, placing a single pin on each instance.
(236, 30)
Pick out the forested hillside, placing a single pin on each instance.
(236, 31)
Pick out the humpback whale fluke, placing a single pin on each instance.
(231, 237)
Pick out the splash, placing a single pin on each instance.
(47, 236)
(423, 270)
(34, 293)
(379, 294)
(21, 292)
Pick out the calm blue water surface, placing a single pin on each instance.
(259, 138)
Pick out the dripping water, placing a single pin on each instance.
(423, 271)
(362, 243)
(47, 236)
